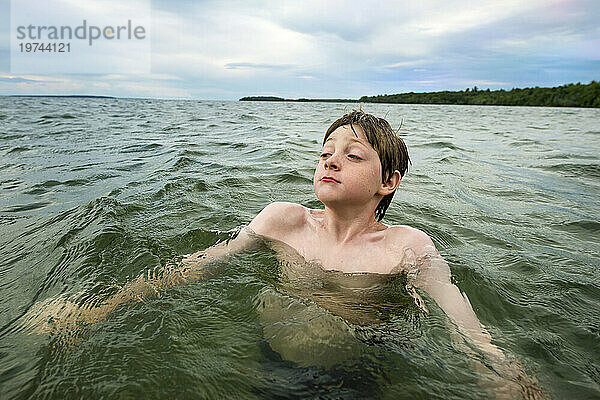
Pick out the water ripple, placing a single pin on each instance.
(104, 190)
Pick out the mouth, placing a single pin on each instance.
(329, 179)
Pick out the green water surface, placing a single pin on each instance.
(95, 192)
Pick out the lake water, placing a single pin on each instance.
(95, 192)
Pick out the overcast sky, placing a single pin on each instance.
(341, 49)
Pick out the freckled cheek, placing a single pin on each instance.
(319, 166)
(367, 181)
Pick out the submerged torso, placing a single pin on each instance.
(358, 297)
(313, 316)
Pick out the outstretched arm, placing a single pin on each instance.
(193, 267)
(59, 313)
(272, 222)
(434, 278)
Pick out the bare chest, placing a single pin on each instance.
(360, 256)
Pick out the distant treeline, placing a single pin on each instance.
(272, 98)
(571, 95)
(262, 98)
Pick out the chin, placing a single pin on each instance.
(327, 197)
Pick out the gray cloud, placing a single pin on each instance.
(217, 50)
(248, 65)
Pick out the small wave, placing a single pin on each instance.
(19, 150)
(11, 184)
(230, 182)
(449, 159)
(515, 262)
(281, 154)
(102, 176)
(570, 156)
(440, 145)
(538, 127)
(83, 167)
(478, 236)
(14, 136)
(170, 128)
(524, 142)
(183, 162)
(100, 215)
(28, 207)
(443, 238)
(183, 185)
(188, 152)
(584, 227)
(293, 177)
(54, 120)
(41, 188)
(63, 116)
(575, 170)
(45, 121)
(509, 193)
(141, 148)
(130, 166)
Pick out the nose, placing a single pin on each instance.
(332, 163)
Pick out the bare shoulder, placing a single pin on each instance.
(433, 269)
(279, 219)
(409, 237)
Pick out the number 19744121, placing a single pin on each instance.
(34, 47)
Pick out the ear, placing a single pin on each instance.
(391, 185)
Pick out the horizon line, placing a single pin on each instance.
(270, 95)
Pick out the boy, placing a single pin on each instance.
(361, 165)
(359, 170)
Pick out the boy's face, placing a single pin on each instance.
(349, 169)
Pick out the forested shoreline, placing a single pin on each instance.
(569, 95)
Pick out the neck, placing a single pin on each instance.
(347, 224)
